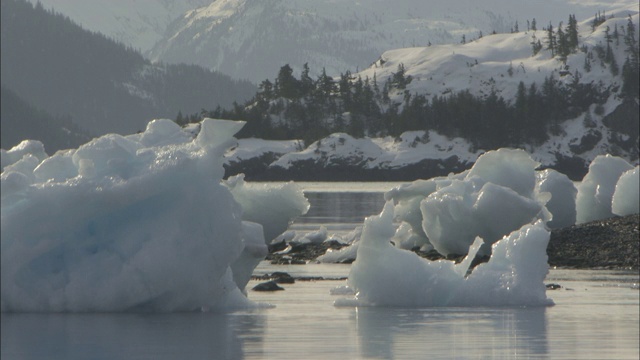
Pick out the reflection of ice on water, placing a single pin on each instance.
(598, 319)
(126, 336)
(383, 332)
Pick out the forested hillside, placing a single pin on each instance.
(21, 121)
(304, 107)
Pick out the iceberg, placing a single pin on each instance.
(495, 197)
(272, 205)
(384, 275)
(595, 192)
(129, 223)
(626, 197)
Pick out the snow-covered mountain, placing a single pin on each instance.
(137, 23)
(492, 64)
(500, 62)
(252, 39)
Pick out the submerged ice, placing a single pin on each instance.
(128, 223)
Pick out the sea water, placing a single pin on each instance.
(596, 316)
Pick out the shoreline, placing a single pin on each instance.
(612, 243)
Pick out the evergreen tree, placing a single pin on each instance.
(587, 64)
(630, 68)
(533, 24)
(306, 83)
(562, 49)
(286, 84)
(551, 40)
(265, 90)
(572, 33)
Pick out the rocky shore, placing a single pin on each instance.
(612, 243)
(609, 243)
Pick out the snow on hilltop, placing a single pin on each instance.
(494, 63)
(499, 62)
(252, 39)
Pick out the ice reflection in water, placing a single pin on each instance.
(126, 336)
(597, 319)
(383, 333)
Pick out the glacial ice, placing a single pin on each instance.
(384, 275)
(495, 197)
(271, 205)
(595, 192)
(130, 223)
(626, 197)
(502, 206)
(563, 197)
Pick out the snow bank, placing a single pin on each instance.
(126, 223)
(383, 275)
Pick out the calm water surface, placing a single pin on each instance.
(596, 316)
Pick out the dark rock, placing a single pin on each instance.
(277, 246)
(267, 286)
(282, 278)
(609, 243)
(300, 253)
(553, 286)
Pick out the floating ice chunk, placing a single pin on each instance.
(313, 237)
(274, 206)
(344, 255)
(141, 229)
(111, 154)
(215, 133)
(455, 215)
(254, 251)
(286, 236)
(342, 290)
(31, 147)
(58, 167)
(512, 168)
(562, 204)
(162, 132)
(383, 275)
(13, 182)
(407, 198)
(595, 192)
(626, 198)
(25, 166)
(407, 239)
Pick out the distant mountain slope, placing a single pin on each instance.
(138, 23)
(21, 121)
(251, 39)
(55, 65)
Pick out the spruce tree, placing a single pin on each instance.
(551, 40)
(562, 49)
(572, 33)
